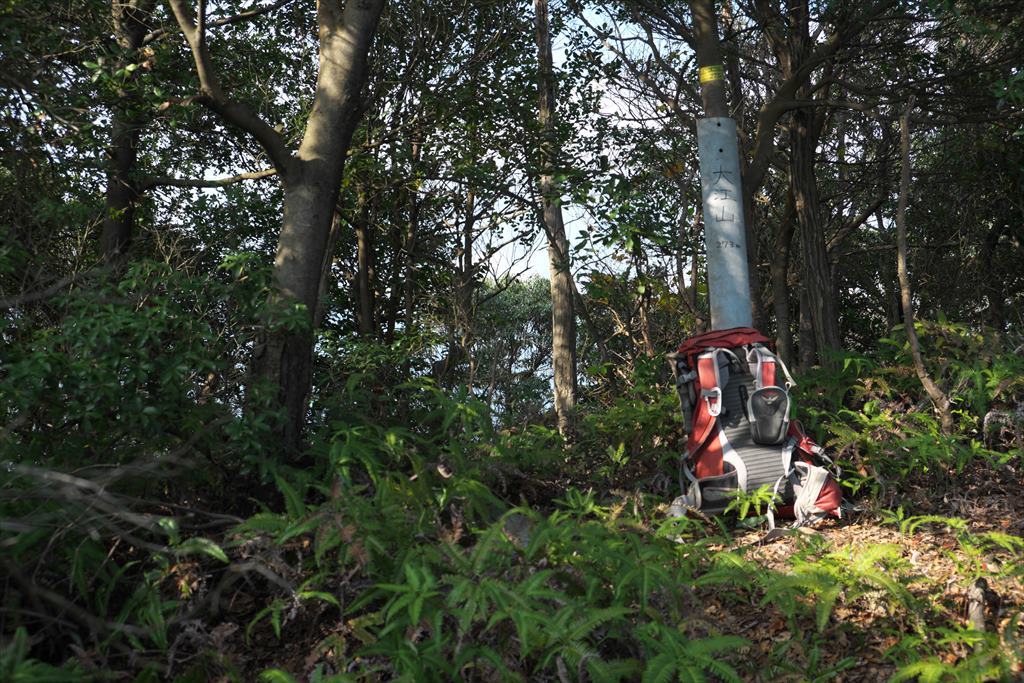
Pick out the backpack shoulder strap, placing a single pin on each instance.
(713, 376)
(765, 366)
(710, 380)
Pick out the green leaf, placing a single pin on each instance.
(660, 669)
(202, 546)
(320, 595)
(294, 504)
(930, 670)
(826, 600)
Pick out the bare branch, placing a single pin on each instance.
(48, 291)
(171, 181)
(855, 222)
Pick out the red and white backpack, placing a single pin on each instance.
(734, 395)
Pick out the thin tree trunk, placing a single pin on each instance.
(700, 323)
(563, 317)
(364, 267)
(757, 307)
(688, 239)
(780, 282)
(401, 244)
(682, 242)
(889, 284)
(409, 293)
(337, 225)
(808, 346)
(464, 288)
(938, 397)
(130, 26)
(395, 241)
(644, 301)
(411, 233)
(993, 287)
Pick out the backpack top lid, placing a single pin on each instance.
(722, 339)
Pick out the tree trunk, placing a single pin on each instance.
(992, 286)
(644, 301)
(403, 241)
(757, 307)
(780, 282)
(409, 286)
(284, 359)
(464, 287)
(364, 268)
(394, 286)
(938, 397)
(816, 275)
(700, 324)
(682, 242)
(337, 225)
(129, 20)
(411, 233)
(889, 285)
(808, 346)
(121, 194)
(709, 56)
(311, 178)
(310, 193)
(563, 317)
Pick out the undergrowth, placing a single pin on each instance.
(424, 540)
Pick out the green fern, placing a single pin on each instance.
(742, 501)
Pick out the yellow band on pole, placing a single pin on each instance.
(711, 73)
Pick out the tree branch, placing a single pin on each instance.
(786, 93)
(171, 181)
(50, 290)
(854, 223)
(157, 34)
(213, 97)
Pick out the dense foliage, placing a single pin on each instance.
(432, 519)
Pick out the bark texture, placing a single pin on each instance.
(563, 315)
(709, 54)
(824, 316)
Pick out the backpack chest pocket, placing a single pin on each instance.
(768, 413)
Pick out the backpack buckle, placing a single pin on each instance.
(713, 398)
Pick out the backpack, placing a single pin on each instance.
(734, 396)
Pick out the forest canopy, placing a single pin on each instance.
(333, 336)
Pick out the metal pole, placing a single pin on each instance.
(724, 235)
